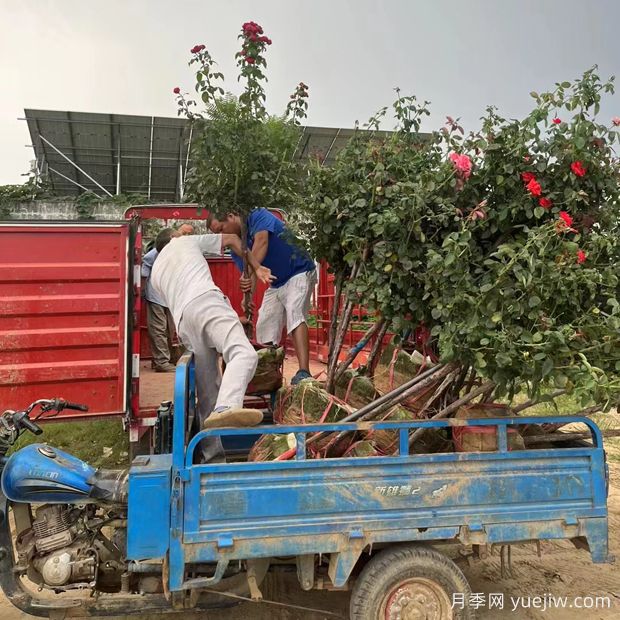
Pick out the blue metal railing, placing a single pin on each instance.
(184, 401)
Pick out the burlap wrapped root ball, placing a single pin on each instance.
(396, 367)
(268, 375)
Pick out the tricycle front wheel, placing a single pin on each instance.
(408, 583)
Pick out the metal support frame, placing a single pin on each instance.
(72, 143)
(42, 150)
(151, 155)
(60, 174)
(331, 146)
(180, 184)
(74, 164)
(189, 148)
(118, 160)
(301, 135)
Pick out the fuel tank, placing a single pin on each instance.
(42, 474)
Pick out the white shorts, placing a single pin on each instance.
(290, 303)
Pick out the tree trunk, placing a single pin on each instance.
(335, 348)
(247, 297)
(534, 401)
(335, 312)
(377, 347)
(446, 411)
(356, 349)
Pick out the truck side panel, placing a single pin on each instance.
(262, 507)
(63, 314)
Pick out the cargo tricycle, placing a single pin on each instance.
(171, 534)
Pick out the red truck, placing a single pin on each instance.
(72, 322)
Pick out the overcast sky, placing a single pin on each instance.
(126, 56)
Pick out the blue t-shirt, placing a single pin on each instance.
(284, 257)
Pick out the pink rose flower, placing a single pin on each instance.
(462, 163)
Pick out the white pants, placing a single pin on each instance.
(289, 303)
(210, 326)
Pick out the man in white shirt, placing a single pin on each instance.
(158, 319)
(208, 325)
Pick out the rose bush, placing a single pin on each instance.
(242, 158)
(503, 242)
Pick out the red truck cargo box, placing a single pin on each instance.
(64, 290)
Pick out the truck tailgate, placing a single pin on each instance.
(64, 291)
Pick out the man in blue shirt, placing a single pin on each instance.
(288, 299)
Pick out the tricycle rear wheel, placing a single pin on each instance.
(410, 582)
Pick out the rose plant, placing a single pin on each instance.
(502, 243)
(242, 158)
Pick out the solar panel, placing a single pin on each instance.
(118, 153)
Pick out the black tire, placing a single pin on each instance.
(390, 580)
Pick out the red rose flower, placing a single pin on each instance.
(545, 203)
(581, 257)
(616, 121)
(533, 187)
(176, 90)
(578, 169)
(556, 121)
(528, 176)
(250, 60)
(566, 218)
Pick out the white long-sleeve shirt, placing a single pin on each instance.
(181, 273)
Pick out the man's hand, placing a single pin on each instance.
(264, 274)
(245, 284)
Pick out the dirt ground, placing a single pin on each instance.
(562, 571)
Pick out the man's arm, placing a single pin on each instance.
(261, 245)
(234, 243)
(259, 251)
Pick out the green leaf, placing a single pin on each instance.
(548, 366)
(497, 317)
(580, 142)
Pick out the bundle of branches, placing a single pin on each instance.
(359, 390)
